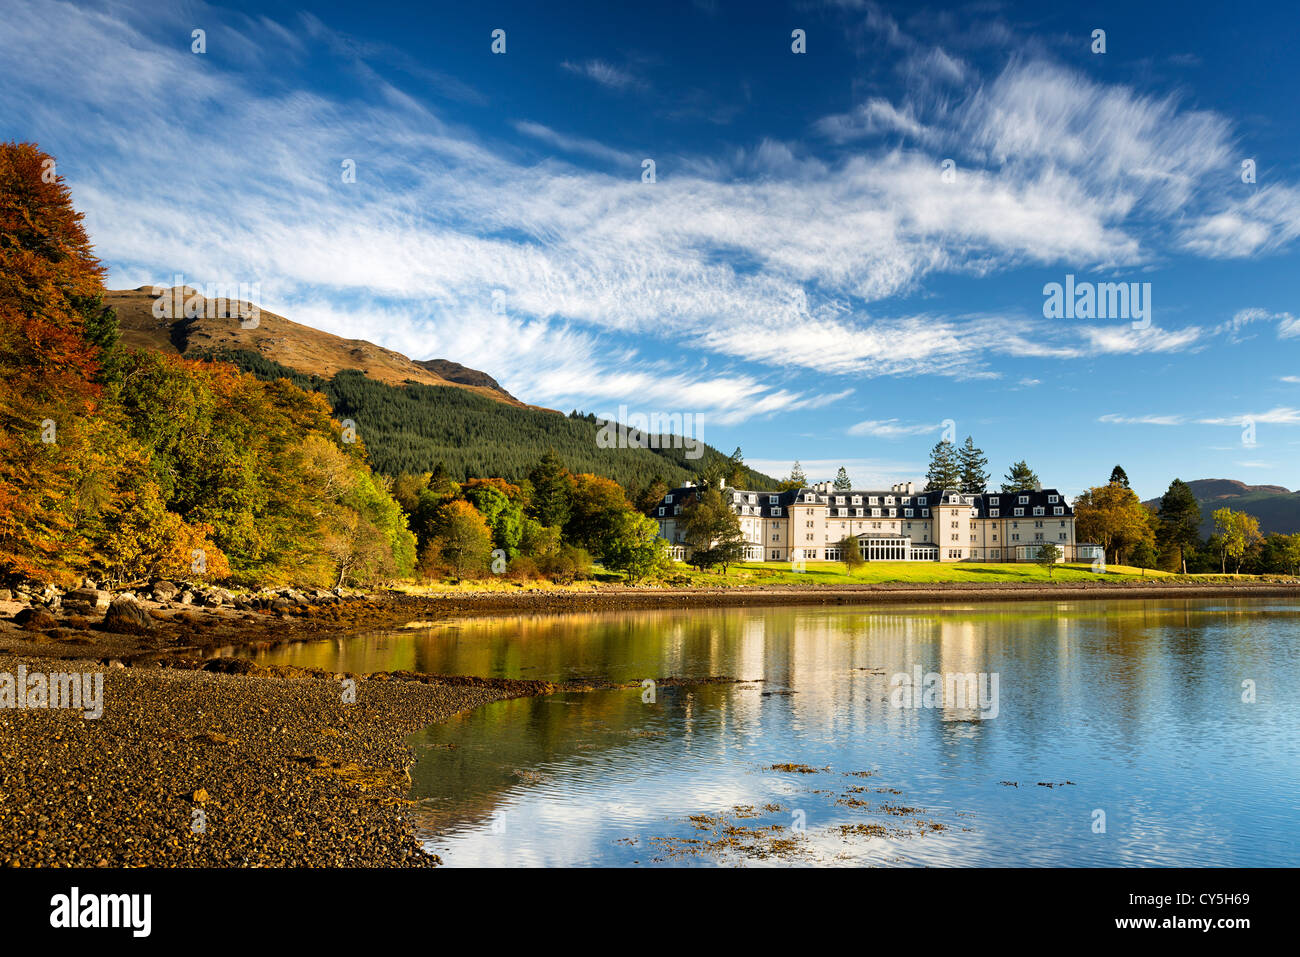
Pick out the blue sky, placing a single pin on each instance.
(801, 274)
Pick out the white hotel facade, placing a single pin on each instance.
(900, 524)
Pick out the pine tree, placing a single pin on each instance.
(1021, 478)
(842, 481)
(974, 478)
(1118, 475)
(1180, 520)
(945, 468)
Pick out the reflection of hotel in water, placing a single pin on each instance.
(812, 654)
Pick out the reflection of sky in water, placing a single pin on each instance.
(1137, 703)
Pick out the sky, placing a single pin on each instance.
(840, 255)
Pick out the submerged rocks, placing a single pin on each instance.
(126, 616)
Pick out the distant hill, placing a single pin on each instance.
(1277, 508)
(289, 344)
(410, 414)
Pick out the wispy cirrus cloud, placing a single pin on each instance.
(893, 428)
(1056, 169)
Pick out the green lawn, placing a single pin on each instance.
(833, 573)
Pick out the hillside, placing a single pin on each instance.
(412, 428)
(1277, 508)
(290, 344)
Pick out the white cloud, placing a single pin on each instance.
(1116, 419)
(892, 428)
(1281, 415)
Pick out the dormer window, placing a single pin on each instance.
(662, 510)
(1053, 499)
(1059, 510)
(1038, 510)
(857, 500)
(993, 500)
(753, 499)
(776, 512)
(1019, 512)
(773, 499)
(993, 512)
(839, 499)
(1024, 500)
(874, 500)
(810, 497)
(668, 499)
(907, 512)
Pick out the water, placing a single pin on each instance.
(1137, 704)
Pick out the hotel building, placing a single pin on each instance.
(900, 524)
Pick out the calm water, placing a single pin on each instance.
(1138, 705)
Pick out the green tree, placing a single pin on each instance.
(850, 554)
(842, 481)
(945, 468)
(1180, 520)
(635, 548)
(713, 532)
(973, 463)
(1020, 478)
(1049, 553)
(1238, 532)
(1119, 476)
(552, 490)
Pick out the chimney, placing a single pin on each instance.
(911, 488)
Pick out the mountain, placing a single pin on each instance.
(1277, 508)
(411, 415)
(217, 328)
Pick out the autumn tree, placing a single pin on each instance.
(713, 532)
(1238, 532)
(463, 541)
(1115, 518)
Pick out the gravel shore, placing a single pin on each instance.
(195, 768)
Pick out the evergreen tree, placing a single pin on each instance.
(1180, 520)
(945, 468)
(842, 481)
(974, 478)
(1021, 478)
(797, 479)
(552, 490)
(1118, 475)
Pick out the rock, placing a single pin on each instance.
(35, 618)
(187, 598)
(126, 616)
(88, 583)
(6, 595)
(87, 599)
(198, 796)
(212, 599)
(164, 590)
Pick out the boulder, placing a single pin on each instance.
(83, 600)
(35, 618)
(164, 590)
(6, 595)
(126, 616)
(186, 598)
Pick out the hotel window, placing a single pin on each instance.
(668, 499)
(1024, 500)
(893, 513)
(857, 512)
(907, 512)
(993, 512)
(753, 499)
(1015, 538)
(810, 498)
(735, 496)
(839, 499)
(857, 500)
(993, 500)
(773, 499)
(907, 501)
(677, 510)
(662, 510)
(776, 512)
(995, 536)
(1053, 499)
(1038, 524)
(875, 513)
(874, 500)
(954, 524)
(1063, 536)
(809, 524)
(921, 500)
(1063, 524)
(925, 513)
(776, 536)
(1059, 510)
(1038, 510)
(1019, 512)
(1038, 536)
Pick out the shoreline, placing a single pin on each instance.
(279, 767)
